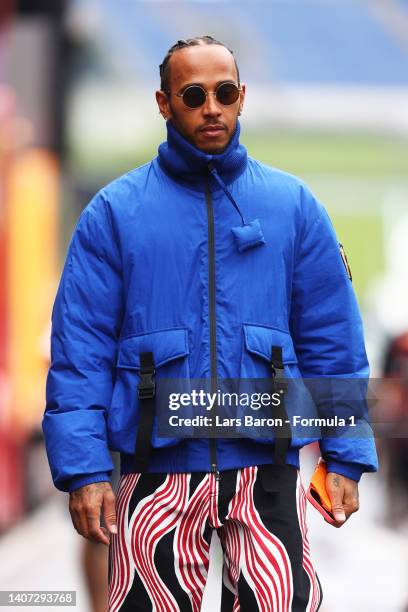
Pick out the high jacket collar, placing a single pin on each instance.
(190, 165)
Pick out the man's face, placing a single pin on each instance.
(211, 126)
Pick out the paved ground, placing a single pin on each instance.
(363, 567)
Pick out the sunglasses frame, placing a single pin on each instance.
(181, 94)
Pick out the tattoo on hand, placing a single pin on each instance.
(93, 487)
(336, 481)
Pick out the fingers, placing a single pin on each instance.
(109, 511)
(85, 508)
(343, 493)
(96, 532)
(351, 501)
(79, 520)
(335, 490)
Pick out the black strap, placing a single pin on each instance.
(278, 372)
(283, 440)
(146, 392)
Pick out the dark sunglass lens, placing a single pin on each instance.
(227, 93)
(194, 96)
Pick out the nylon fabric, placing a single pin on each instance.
(136, 279)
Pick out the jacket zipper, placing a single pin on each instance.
(213, 332)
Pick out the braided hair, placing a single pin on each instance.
(164, 67)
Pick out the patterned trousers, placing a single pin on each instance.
(160, 557)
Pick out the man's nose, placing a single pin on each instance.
(211, 106)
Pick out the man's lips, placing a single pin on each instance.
(212, 130)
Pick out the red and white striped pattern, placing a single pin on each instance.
(230, 540)
(249, 548)
(167, 508)
(315, 593)
(191, 550)
(120, 554)
(154, 516)
(253, 550)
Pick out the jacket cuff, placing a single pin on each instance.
(349, 470)
(85, 479)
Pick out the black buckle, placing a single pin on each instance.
(279, 382)
(147, 386)
(278, 372)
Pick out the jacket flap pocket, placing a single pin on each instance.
(165, 344)
(260, 339)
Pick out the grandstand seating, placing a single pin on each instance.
(306, 41)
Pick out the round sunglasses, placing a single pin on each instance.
(195, 96)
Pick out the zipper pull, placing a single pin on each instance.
(215, 471)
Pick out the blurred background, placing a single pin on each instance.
(327, 100)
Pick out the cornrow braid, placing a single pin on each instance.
(164, 67)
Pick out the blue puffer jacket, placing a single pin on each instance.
(208, 267)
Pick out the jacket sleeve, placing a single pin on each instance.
(327, 330)
(86, 322)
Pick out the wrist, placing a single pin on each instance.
(353, 471)
(85, 479)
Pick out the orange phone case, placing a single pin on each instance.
(317, 494)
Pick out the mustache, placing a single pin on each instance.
(207, 125)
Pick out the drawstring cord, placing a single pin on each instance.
(223, 186)
(248, 235)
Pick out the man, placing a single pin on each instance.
(203, 264)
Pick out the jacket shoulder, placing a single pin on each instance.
(290, 190)
(111, 202)
(120, 187)
(274, 174)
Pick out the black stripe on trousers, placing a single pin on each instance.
(160, 557)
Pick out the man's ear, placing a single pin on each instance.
(163, 104)
(242, 97)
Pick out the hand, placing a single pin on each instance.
(343, 493)
(85, 505)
